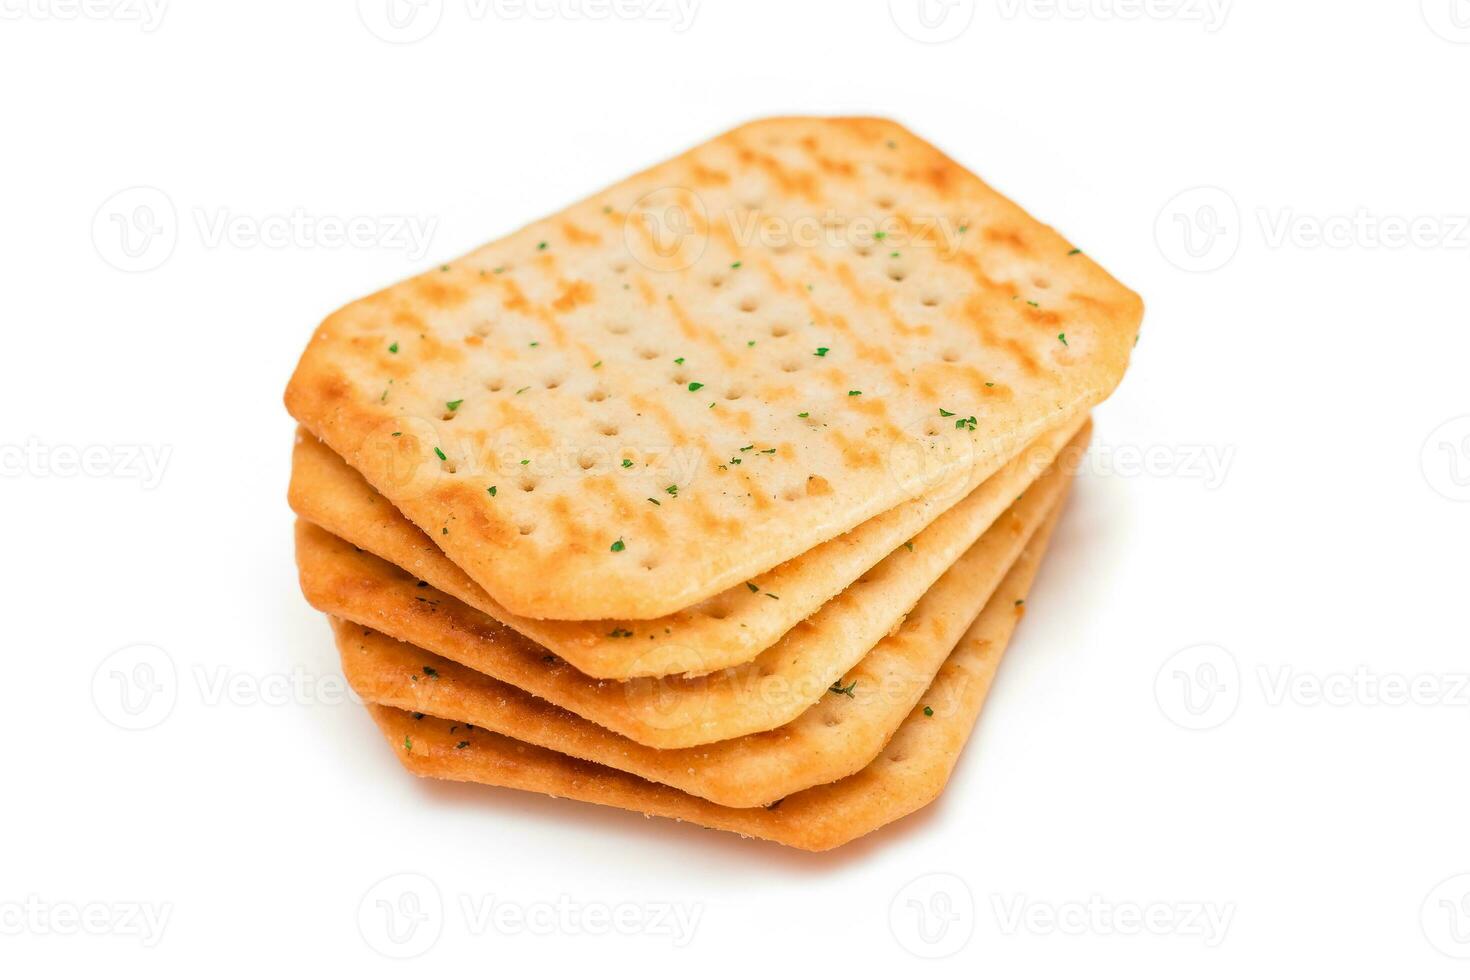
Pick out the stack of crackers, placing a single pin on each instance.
(716, 496)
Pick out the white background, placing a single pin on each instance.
(1283, 474)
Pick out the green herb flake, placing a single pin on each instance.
(1075, 251)
(492, 491)
(393, 347)
(837, 688)
(541, 246)
(620, 634)
(407, 744)
(803, 415)
(678, 360)
(695, 385)
(1063, 338)
(627, 463)
(928, 711)
(945, 415)
(454, 405)
(909, 545)
(752, 586)
(853, 393)
(821, 352)
(672, 490)
(440, 453)
(462, 745)
(735, 265)
(618, 545)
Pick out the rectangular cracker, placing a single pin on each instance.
(829, 741)
(661, 712)
(730, 628)
(928, 332)
(909, 774)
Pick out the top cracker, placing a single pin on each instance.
(687, 379)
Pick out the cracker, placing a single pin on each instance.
(730, 628)
(664, 713)
(909, 774)
(829, 741)
(669, 415)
